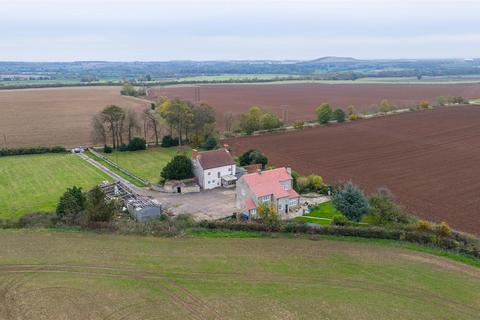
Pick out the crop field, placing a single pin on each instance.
(301, 99)
(55, 116)
(34, 183)
(146, 164)
(55, 275)
(428, 159)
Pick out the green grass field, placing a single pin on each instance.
(321, 214)
(80, 275)
(34, 183)
(146, 164)
(226, 77)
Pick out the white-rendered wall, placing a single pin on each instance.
(211, 179)
(198, 172)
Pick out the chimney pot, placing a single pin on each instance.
(289, 170)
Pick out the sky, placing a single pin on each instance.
(148, 30)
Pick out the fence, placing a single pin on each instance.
(119, 168)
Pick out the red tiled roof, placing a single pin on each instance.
(293, 194)
(215, 159)
(252, 168)
(268, 182)
(249, 204)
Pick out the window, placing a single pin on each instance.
(230, 169)
(286, 185)
(208, 173)
(292, 202)
(218, 174)
(265, 198)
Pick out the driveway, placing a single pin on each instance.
(204, 205)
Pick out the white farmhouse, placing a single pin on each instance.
(214, 168)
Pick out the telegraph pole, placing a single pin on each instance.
(285, 113)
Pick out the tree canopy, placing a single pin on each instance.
(324, 113)
(351, 202)
(179, 168)
(253, 156)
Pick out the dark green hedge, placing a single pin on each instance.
(31, 150)
(457, 242)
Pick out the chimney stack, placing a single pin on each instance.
(194, 154)
(289, 170)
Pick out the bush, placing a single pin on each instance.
(250, 121)
(107, 149)
(129, 90)
(71, 203)
(385, 106)
(353, 117)
(179, 168)
(315, 182)
(441, 101)
(424, 104)
(324, 113)
(98, 207)
(340, 220)
(443, 230)
(351, 202)
(424, 225)
(253, 156)
(30, 150)
(351, 110)
(270, 121)
(339, 115)
(303, 184)
(38, 219)
(295, 177)
(137, 144)
(268, 215)
(298, 124)
(123, 147)
(168, 141)
(211, 143)
(384, 210)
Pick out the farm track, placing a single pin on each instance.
(196, 307)
(428, 159)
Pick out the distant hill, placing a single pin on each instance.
(333, 60)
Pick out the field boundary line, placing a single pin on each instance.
(109, 172)
(116, 166)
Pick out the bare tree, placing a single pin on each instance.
(229, 119)
(151, 121)
(132, 126)
(99, 134)
(114, 117)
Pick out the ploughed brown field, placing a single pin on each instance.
(301, 99)
(55, 116)
(429, 159)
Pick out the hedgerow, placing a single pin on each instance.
(31, 150)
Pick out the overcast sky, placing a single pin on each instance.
(148, 30)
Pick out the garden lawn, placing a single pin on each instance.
(146, 164)
(321, 214)
(33, 183)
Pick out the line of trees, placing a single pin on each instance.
(257, 119)
(188, 122)
(178, 120)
